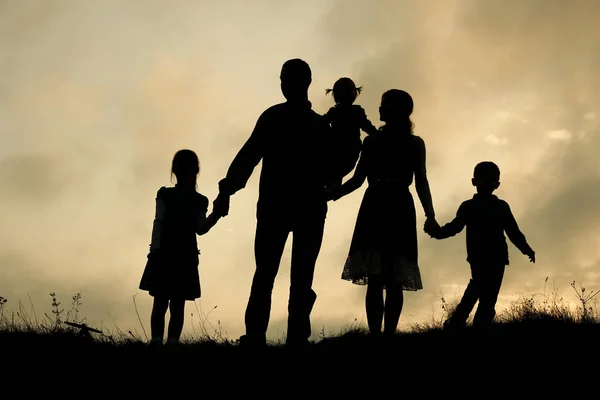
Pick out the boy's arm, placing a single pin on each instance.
(514, 233)
(453, 227)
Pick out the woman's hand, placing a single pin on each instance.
(431, 226)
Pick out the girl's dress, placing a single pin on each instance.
(346, 122)
(384, 242)
(171, 271)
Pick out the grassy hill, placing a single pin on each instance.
(527, 338)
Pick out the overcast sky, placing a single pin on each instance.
(96, 97)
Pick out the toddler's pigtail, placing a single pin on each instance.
(327, 91)
(359, 89)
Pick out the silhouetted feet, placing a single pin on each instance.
(155, 343)
(453, 326)
(172, 342)
(297, 345)
(252, 343)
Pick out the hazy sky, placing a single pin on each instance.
(96, 97)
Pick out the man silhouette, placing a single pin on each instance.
(294, 144)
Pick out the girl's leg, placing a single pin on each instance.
(374, 304)
(176, 308)
(157, 319)
(394, 301)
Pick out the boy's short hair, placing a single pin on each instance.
(487, 171)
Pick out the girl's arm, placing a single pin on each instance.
(157, 225)
(205, 223)
(421, 181)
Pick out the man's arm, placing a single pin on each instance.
(246, 160)
(453, 227)
(357, 180)
(514, 233)
(242, 166)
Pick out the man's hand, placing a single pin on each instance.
(221, 205)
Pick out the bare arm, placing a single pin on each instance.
(421, 181)
(205, 223)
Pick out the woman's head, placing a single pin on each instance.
(396, 108)
(344, 91)
(185, 167)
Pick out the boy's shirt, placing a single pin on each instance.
(486, 218)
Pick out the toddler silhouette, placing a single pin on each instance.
(347, 120)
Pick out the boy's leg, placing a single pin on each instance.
(157, 319)
(491, 280)
(176, 309)
(467, 302)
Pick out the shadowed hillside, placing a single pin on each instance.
(526, 326)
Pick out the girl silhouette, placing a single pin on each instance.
(171, 273)
(383, 252)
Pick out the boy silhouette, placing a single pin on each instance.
(486, 218)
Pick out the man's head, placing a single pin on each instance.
(296, 77)
(486, 177)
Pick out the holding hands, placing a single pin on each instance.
(431, 226)
(221, 205)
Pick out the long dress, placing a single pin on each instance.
(171, 271)
(384, 242)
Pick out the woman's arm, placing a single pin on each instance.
(421, 181)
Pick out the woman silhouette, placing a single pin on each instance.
(383, 252)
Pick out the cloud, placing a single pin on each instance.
(95, 98)
(560, 134)
(499, 73)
